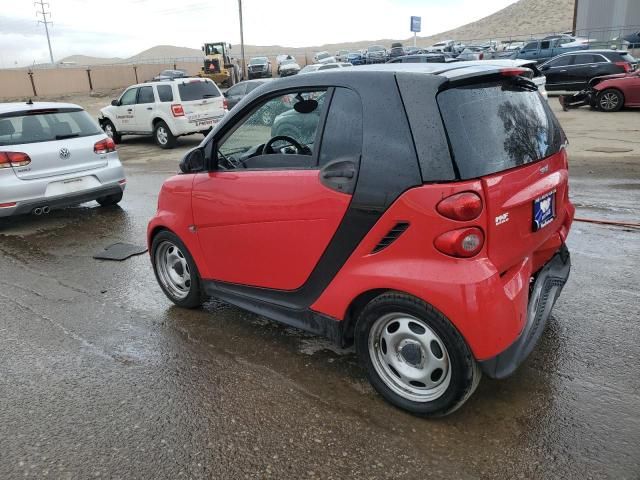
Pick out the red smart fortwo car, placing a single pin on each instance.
(418, 211)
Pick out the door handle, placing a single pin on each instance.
(562, 71)
(345, 173)
(149, 108)
(129, 110)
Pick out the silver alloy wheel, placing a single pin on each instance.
(409, 357)
(173, 269)
(609, 101)
(108, 129)
(161, 135)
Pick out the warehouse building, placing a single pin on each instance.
(606, 19)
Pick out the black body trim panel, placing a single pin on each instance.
(545, 291)
(303, 319)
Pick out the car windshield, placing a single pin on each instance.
(376, 48)
(197, 90)
(258, 61)
(288, 62)
(46, 126)
(322, 55)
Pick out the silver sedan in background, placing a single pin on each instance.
(54, 155)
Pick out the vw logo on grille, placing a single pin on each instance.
(64, 153)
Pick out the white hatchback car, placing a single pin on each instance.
(165, 109)
(54, 155)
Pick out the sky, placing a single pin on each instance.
(122, 28)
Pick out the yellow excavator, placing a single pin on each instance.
(219, 66)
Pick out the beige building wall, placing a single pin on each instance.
(15, 84)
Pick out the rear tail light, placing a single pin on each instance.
(512, 72)
(14, 159)
(625, 65)
(481, 56)
(8, 205)
(104, 146)
(462, 243)
(463, 206)
(225, 103)
(177, 110)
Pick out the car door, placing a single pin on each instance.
(144, 109)
(235, 94)
(545, 50)
(556, 71)
(265, 219)
(583, 69)
(124, 112)
(529, 51)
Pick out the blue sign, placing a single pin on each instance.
(416, 23)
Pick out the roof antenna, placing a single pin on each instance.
(30, 102)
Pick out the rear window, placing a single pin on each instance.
(627, 57)
(497, 127)
(165, 93)
(197, 90)
(46, 126)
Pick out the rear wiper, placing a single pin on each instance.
(70, 135)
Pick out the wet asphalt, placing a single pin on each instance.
(101, 377)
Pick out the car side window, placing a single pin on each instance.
(531, 46)
(129, 97)
(598, 59)
(236, 90)
(165, 93)
(560, 61)
(583, 59)
(342, 136)
(279, 133)
(145, 95)
(544, 45)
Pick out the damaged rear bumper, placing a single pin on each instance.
(545, 291)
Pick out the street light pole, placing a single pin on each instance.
(244, 70)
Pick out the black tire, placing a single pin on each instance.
(110, 200)
(195, 296)
(163, 136)
(610, 100)
(109, 128)
(457, 384)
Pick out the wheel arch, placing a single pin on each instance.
(353, 312)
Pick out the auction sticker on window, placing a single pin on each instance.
(544, 210)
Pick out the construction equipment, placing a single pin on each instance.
(219, 66)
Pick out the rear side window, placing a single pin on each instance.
(45, 127)
(197, 90)
(497, 127)
(342, 138)
(583, 59)
(165, 93)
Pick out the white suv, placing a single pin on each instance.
(165, 109)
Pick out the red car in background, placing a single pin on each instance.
(608, 93)
(612, 92)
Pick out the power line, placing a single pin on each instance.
(46, 22)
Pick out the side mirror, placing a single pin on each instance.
(115, 103)
(193, 161)
(225, 93)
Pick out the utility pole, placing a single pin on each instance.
(46, 22)
(244, 70)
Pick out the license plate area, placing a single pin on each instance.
(544, 210)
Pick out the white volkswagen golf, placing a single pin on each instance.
(54, 155)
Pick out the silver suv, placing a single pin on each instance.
(54, 155)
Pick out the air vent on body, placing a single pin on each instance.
(393, 234)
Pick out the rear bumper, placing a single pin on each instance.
(75, 198)
(546, 289)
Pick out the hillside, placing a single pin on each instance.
(522, 19)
